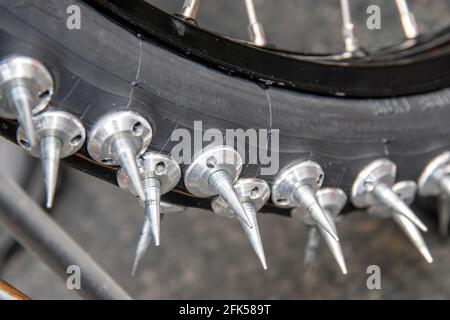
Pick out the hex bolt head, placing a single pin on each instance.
(60, 135)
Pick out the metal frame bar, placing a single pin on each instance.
(40, 234)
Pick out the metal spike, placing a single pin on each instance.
(295, 186)
(386, 195)
(435, 181)
(373, 186)
(351, 43)
(159, 174)
(125, 153)
(408, 20)
(143, 243)
(26, 88)
(20, 98)
(253, 194)
(190, 9)
(213, 172)
(406, 191)
(60, 135)
(414, 235)
(332, 200)
(119, 138)
(255, 28)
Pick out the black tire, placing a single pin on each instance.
(96, 72)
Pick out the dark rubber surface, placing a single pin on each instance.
(103, 67)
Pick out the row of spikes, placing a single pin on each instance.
(122, 138)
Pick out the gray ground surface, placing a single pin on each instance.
(207, 257)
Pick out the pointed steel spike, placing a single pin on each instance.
(253, 194)
(373, 185)
(19, 97)
(119, 138)
(312, 246)
(295, 186)
(414, 235)
(213, 171)
(305, 196)
(190, 9)
(253, 234)
(406, 191)
(351, 44)
(50, 155)
(255, 28)
(152, 209)
(26, 89)
(335, 248)
(444, 215)
(159, 174)
(444, 183)
(220, 181)
(390, 198)
(125, 154)
(143, 243)
(407, 19)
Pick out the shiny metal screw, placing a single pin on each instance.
(59, 135)
(26, 88)
(212, 172)
(119, 138)
(159, 174)
(373, 186)
(435, 181)
(253, 194)
(332, 200)
(406, 190)
(296, 186)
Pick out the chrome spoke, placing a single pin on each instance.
(407, 19)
